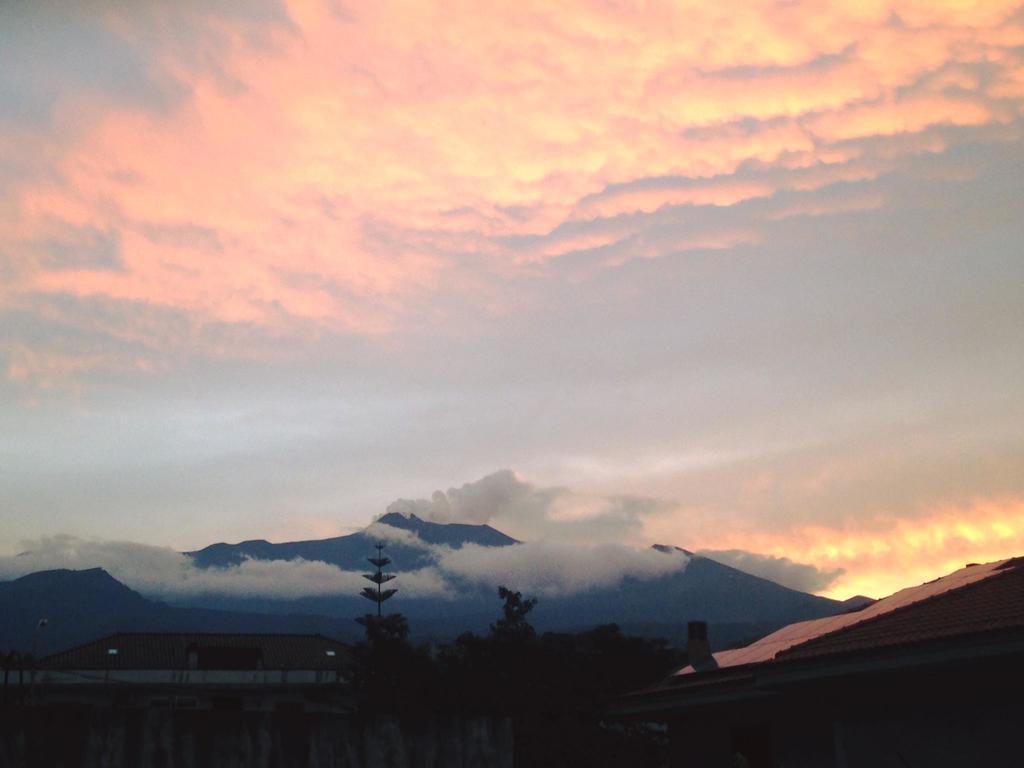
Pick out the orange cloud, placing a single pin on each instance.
(885, 554)
(909, 116)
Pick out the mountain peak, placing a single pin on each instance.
(450, 534)
(96, 583)
(857, 603)
(91, 576)
(349, 551)
(668, 549)
(408, 522)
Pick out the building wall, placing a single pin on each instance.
(949, 734)
(956, 712)
(323, 698)
(700, 743)
(196, 677)
(48, 737)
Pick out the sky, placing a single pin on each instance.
(741, 277)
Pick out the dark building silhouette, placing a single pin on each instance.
(928, 677)
(199, 671)
(152, 700)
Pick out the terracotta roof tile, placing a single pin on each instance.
(991, 605)
(801, 634)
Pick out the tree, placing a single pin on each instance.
(385, 630)
(379, 578)
(513, 624)
(389, 674)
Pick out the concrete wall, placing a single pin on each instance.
(62, 737)
(957, 733)
(954, 732)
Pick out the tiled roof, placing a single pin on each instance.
(990, 605)
(155, 650)
(977, 598)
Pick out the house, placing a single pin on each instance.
(930, 676)
(199, 671)
(138, 700)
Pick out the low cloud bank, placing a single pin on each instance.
(164, 573)
(549, 569)
(573, 543)
(538, 568)
(781, 570)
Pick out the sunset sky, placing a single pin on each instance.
(729, 276)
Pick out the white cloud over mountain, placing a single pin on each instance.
(164, 573)
(535, 567)
(527, 511)
(781, 570)
(547, 569)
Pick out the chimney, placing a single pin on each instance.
(698, 648)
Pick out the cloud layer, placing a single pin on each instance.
(875, 557)
(838, 556)
(526, 511)
(537, 568)
(161, 572)
(738, 276)
(546, 568)
(228, 179)
(781, 570)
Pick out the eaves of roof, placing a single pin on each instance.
(766, 680)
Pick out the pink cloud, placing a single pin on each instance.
(447, 128)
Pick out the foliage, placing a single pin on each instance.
(513, 626)
(555, 687)
(392, 629)
(377, 594)
(388, 674)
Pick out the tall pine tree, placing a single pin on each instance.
(379, 577)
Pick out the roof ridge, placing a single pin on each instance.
(997, 572)
(112, 636)
(220, 634)
(82, 645)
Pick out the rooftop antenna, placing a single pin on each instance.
(378, 577)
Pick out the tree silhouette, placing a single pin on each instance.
(554, 687)
(378, 577)
(513, 624)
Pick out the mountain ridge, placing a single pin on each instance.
(88, 603)
(705, 589)
(351, 550)
(80, 605)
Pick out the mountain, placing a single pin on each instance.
(737, 605)
(350, 552)
(857, 602)
(82, 605)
